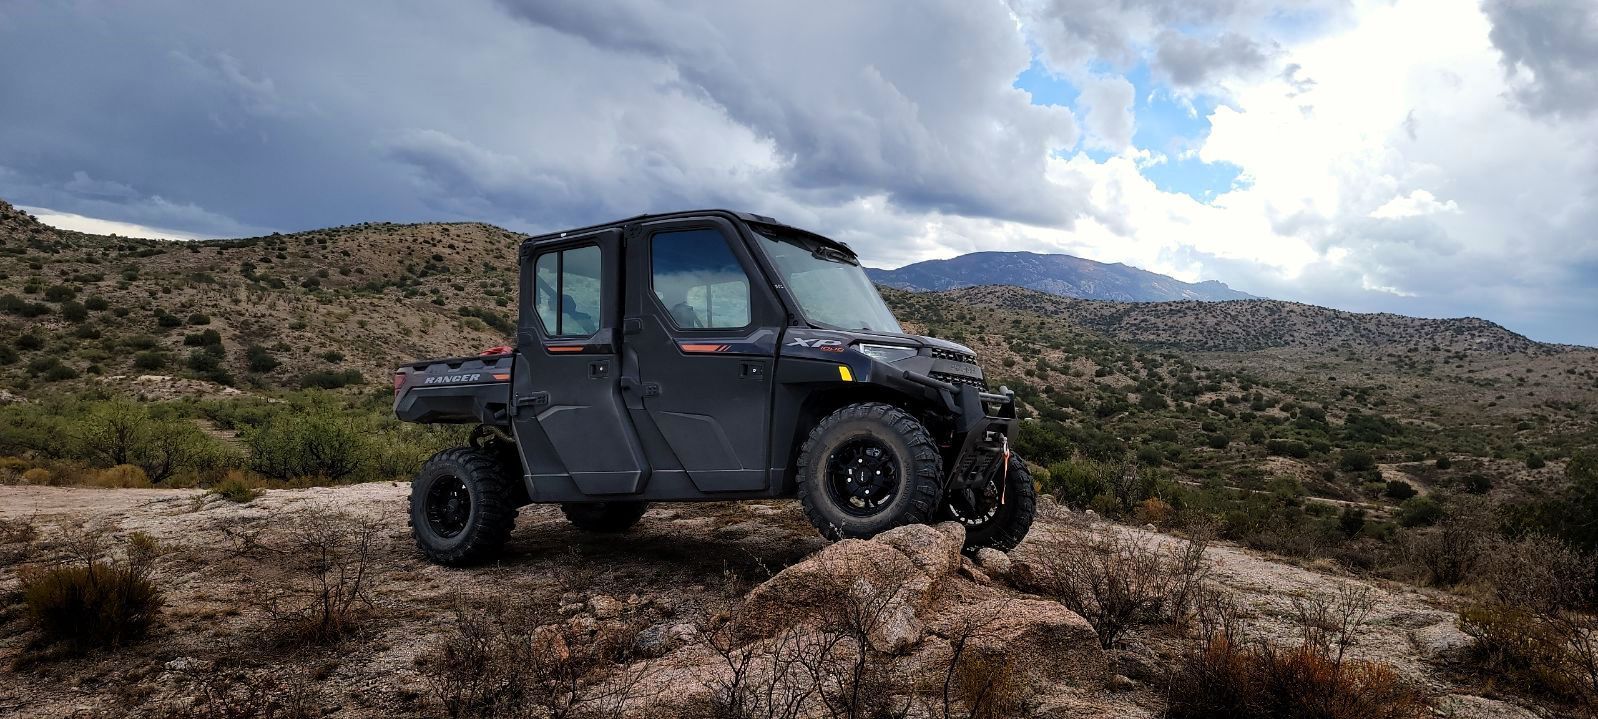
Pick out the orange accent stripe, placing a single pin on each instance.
(564, 348)
(501, 377)
(704, 348)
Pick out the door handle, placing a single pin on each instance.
(599, 369)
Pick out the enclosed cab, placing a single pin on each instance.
(710, 355)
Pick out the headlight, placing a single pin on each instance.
(886, 353)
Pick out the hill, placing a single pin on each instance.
(331, 306)
(1062, 275)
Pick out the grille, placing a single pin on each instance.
(960, 379)
(953, 356)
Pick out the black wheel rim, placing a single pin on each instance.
(449, 505)
(862, 476)
(975, 506)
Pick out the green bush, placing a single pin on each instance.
(1355, 460)
(122, 431)
(1078, 482)
(151, 360)
(493, 319)
(59, 293)
(318, 442)
(59, 372)
(1419, 511)
(168, 321)
(1399, 489)
(74, 311)
(233, 490)
(260, 359)
(328, 379)
(208, 338)
(199, 319)
(96, 303)
(1535, 461)
(1287, 448)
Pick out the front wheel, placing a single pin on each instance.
(868, 468)
(461, 508)
(996, 514)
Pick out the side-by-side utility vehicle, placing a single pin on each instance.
(710, 355)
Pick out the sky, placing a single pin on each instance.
(1435, 158)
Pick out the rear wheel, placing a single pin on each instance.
(461, 508)
(868, 468)
(609, 517)
(998, 513)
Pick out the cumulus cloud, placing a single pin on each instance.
(1419, 202)
(1189, 61)
(1550, 50)
(1107, 113)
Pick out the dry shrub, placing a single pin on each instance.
(502, 662)
(94, 599)
(232, 694)
(1155, 511)
(1225, 675)
(1117, 581)
(1536, 632)
(322, 568)
(234, 488)
(983, 683)
(1450, 552)
(16, 540)
(122, 476)
(1540, 572)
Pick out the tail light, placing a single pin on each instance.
(399, 381)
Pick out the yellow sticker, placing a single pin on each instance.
(845, 374)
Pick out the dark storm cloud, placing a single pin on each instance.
(1195, 40)
(227, 119)
(910, 99)
(1550, 52)
(1188, 61)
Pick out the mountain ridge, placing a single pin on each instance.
(1056, 274)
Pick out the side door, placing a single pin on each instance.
(570, 419)
(702, 327)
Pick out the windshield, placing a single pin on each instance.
(829, 286)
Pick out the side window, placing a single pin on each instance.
(568, 290)
(698, 280)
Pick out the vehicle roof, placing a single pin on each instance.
(747, 217)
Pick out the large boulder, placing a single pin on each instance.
(892, 578)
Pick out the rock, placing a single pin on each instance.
(662, 638)
(853, 569)
(1025, 628)
(604, 606)
(567, 610)
(1464, 706)
(1137, 661)
(1438, 639)
(971, 571)
(1150, 527)
(185, 664)
(935, 550)
(994, 562)
(1121, 683)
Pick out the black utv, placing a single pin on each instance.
(710, 355)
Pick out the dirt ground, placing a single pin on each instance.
(680, 567)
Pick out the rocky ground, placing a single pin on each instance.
(749, 574)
